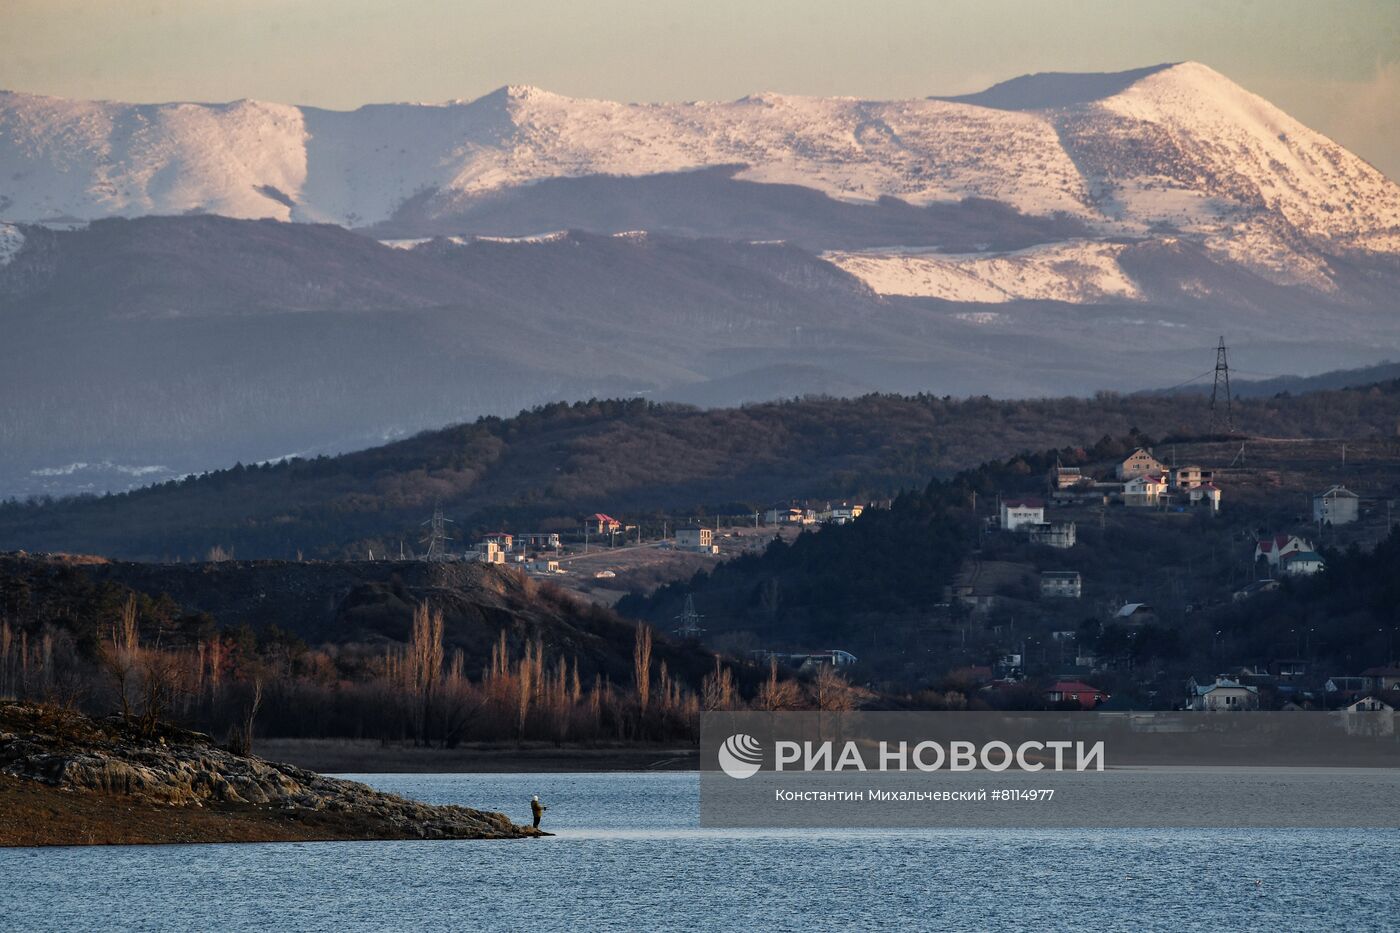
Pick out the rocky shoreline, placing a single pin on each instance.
(108, 783)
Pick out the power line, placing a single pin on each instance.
(436, 539)
(1187, 382)
(1222, 378)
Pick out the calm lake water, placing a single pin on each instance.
(629, 856)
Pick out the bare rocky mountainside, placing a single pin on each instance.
(1054, 234)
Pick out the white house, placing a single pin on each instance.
(1337, 506)
(1145, 490)
(695, 538)
(1224, 694)
(1017, 513)
(1205, 494)
(1138, 463)
(1275, 549)
(1303, 563)
(544, 566)
(489, 552)
(1370, 716)
(844, 513)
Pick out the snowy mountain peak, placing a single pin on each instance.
(1173, 149)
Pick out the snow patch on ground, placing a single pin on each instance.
(1082, 272)
(552, 236)
(71, 469)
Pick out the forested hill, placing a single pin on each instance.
(544, 468)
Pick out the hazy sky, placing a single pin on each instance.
(1334, 64)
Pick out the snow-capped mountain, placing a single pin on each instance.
(1174, 150)
(1052, 234)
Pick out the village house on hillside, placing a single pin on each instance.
(1205, 494)
(600, 524)
(1062, 478)
(1145, 490)
(1018, 513)
(1074, 691)
(1275, 549)
(1138, 463)
(1053, 534)
(1135, 614)
(1303, 563)
(542, 541)
(501, 539)
(1189, 477)
(488, 552)
(1060, 584)
(1337, 506)
(979, 584)
(1221, 695)
(841, 513)
(1382, 678)
(787, 514)
(697, 539)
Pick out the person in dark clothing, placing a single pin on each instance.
(537, 809)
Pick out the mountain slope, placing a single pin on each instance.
(137, 350)
(543, 469)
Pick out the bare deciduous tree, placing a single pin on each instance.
(641, 666)
(777, 694)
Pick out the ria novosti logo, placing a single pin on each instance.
(741, 756)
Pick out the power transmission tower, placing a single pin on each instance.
(436, 538)
(689, 620)
(1219, 418)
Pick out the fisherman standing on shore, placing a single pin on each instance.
(537, 809)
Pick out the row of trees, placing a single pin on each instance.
(415, 692)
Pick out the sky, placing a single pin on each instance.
(1334, 64)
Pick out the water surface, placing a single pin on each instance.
(629, 855)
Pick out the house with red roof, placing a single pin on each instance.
(1075, 691)
(1148, 490)
(600, 524)
(1206, 494)
(1275, 549)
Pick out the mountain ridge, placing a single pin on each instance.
(1147, 154)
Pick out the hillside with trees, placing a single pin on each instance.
(544, 468)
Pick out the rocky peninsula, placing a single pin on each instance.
(67, 779)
